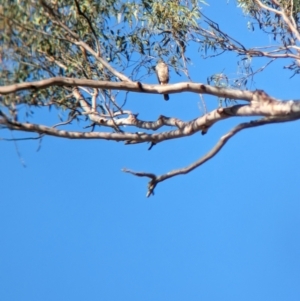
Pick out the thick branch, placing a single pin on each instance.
(289, 110)
(264, 104)
(130, 86)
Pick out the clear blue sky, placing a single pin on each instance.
(74, 227)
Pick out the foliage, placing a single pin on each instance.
(39, 39)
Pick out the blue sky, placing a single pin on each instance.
(74, 227)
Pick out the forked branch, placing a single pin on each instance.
(156, 179)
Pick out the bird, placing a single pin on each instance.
(162, 72)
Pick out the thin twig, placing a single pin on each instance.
(90, 25)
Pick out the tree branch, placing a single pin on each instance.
(131, 87)
(262, 107)
(90, 25)
(219, 145)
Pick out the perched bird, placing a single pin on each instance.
(162, 72)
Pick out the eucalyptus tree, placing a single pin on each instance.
(86, 58)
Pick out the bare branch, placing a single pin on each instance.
(220, 144)
(260, 106)
(261, 5)
(130, 86)
(94, 100)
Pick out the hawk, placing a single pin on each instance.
(162, 72)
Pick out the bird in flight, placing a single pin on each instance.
(162, 72)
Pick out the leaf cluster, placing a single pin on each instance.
(40, 39)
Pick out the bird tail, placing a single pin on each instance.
(166, 97)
